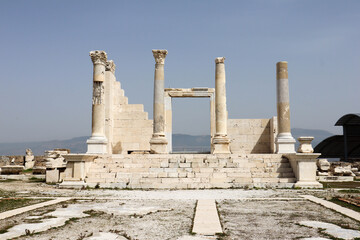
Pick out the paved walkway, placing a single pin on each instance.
(333, 206)
(206, 221)
(31, 207)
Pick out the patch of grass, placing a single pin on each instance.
(38, 220)
(5, 229)
(7, 204)
(9, 180)
(27, 170)
(34, 179)
(353, 184)
(94, 213)
(70, 220)
(345, 204)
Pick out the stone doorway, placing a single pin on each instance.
(170, 93)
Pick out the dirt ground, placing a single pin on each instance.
(166, 214)
(276, 219)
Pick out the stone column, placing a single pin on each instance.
(158, 142)
(285, 143)
(221, 140)
(98, 142)
(109, 103)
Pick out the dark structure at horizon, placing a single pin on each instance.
(346, 146)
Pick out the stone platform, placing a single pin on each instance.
(181, 171)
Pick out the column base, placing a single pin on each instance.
(221, 145)
(285, 143)
(97, 145)
(158, 145)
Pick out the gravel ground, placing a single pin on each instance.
(245, 214)
(134, 219)
(276, 219)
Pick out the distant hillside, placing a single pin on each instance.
(181, 142)
(76, 145)
(318, 135)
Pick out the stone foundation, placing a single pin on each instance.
(183, 171)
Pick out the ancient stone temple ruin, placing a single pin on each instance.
(128, 150)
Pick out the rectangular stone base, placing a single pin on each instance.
(72, 184)
(158, 145)
(286, 145)
(96, 147)
(221, 145)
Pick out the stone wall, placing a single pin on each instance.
(251, 136)
(188, 171)
(127, 125)
(20, 160)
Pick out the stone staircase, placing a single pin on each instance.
(190, 171)
(132, 129)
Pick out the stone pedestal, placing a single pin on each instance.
(158, 142)
(98, 142)
(220, 141)
(77, 168)
(305, 145)
(304, 167)
(285, 143)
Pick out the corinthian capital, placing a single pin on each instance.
(110, 66)
(219, 60)
(160, 55)
(98, 57)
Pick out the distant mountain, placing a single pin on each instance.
(318, 135)
(76, 145)
(181, 142)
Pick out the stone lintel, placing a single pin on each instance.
(190, 92)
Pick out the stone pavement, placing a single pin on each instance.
(333, 206)
(32, 207)
(206, 221)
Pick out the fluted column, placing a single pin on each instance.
(285, 143)
(221, 140)
(97, 142)
(158, 142)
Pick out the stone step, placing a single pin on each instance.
(284, 170)
(287, 180)
(287, 175)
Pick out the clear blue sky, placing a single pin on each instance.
(46, 71)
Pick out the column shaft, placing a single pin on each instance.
(158, 142)
(159, 107)
(283, 103)
(285, 143)
(220, 98)
(220, 141)
(97, 142)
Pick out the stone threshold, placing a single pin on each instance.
(18, 211)
(345, 211)
(206, 221)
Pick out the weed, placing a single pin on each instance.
(28, 232)
(97, 186)
(94, 213)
